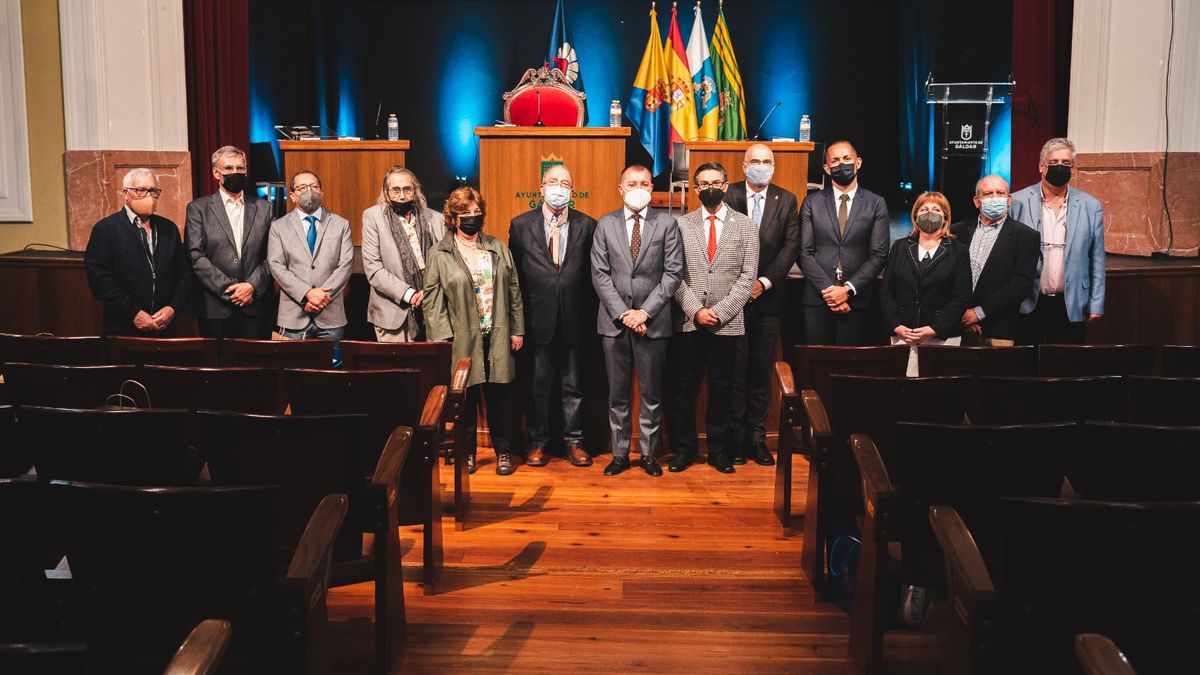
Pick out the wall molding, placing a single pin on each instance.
(16, 189)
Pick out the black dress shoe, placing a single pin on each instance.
(651, 466)
(681, 463)
(723, 464)
(762, 455)
(739, 458)
(616, 466)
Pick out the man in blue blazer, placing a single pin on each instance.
(1069, 288)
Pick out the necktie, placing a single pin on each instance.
(756, 212)
(554, 242)
(843, 213)
(712, 238)
(312, 232)
(635, 239)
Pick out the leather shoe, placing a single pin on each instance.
(723, 464)
(681, 463)
(471, 466)
(504, 464)
(577, 455)
(616, 466)
(651, 466)
(536, 456)
(762, 456)
(739, 458)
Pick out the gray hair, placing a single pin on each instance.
(127, 181)
(227, 150)
(399, 170)
(557, 166)
(1055, 144)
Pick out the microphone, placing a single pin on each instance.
(539, 122)
(760, 124)
(378, 109)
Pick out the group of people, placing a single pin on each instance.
(704, 294)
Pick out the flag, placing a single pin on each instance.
(646, 111)
(561, 52)
(679, 85)
(703, 82)
(731, 104)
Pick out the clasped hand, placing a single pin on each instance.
(316, 300)
(635, 320)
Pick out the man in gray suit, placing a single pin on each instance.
(226, 237)
(720, 253)
(636, 265)
(310, 253)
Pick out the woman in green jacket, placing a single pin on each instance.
(473, 299)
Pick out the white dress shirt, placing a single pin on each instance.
(629, 221)
(721, 213)
(235, 210)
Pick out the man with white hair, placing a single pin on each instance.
(136, 263)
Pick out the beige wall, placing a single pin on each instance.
(47, 138)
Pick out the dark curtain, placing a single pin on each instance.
(217, 59)
(917, 25)
(1041, 57)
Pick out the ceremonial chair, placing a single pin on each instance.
(1100, 656)
(148, 564)
(1124, 570)
(1092, 360)
(1139, 462)
(944, 360)
(1180, 361)
(280, 355)
(15, 458)
(249, 390)
(67, 351)
(140, 351)
(968, 467)
(544, 97)
(64, 386)
(1164, 400)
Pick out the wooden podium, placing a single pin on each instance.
(512, 160)
(351, 172)
(791, 163)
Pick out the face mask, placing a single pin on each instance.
(557, 196)
(309, 202)
(143, 207)
(637, 199)
(711, 197)
(993, 207)
(233, 182)
(1058, 175)
(759, 174)
(402, 209)
(843, 174)
(470, 225)
(929, 222)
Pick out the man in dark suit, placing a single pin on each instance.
(136, 263)
(777, 217)
(1004, 256)
(637, 264)
(552, 249)
(226, 235)
(843, 246)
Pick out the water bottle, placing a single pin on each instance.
(393, 127)
(805, 129)
(614, 114)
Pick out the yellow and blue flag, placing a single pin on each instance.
(679, 85)
(704, 85)
(731, 96)
(646, 111)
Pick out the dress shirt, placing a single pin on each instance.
(548, 220)
(235, 210)
(751, 193)
(629, 221)
(1054, 247)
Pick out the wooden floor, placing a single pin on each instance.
(562, 569)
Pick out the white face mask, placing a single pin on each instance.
(637, 199)
(557, 196)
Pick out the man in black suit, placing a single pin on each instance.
(776, 215)
(844, 242)
(552, 249)
(136, 264)
(1004, 257)
(226, 234)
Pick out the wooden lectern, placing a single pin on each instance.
(512, 160)
(791, 163)
(351, 172)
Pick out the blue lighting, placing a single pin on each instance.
(596, 45)
(465, 99)
(262, 117)
(347, 111)
(783, 76)
(1000, 144)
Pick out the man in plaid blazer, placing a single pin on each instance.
(720, 255)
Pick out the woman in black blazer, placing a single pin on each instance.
(927, 280)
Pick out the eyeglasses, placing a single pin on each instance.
(301, 189)
(406, 190)
(142, 192)
(715, 184)
(560, 183)
(761, 162)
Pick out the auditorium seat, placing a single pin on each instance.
(21, 578)
(15, 458)
(1180, 360)
(1100, 656)
(65, 386)
(1066, 567)
(943, 360)
(544, 95)
(45, 658)
(203, 650)
(1025, 400)
(1139, 462)
(250, 390)
(193, 351)
(1164, 400)
(67, 351)
(280, 355)
(1091, 360)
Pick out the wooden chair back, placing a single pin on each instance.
(1030, 400)
(65, 386)
(201, 653)
(249, 390)
(15, 456)
(280, 355)
(1091, 360)
(432, 359)
(20, 561)
(51, 349)
(1139, 462)
(1180, 360)
(139, 351)
(1164, 400)
(943, 360)
(813, 365)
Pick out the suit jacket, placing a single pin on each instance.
(648, 284)
(298, 271)
(1083, 282)
(120, 275)
(723, 285)
(1006, 277)
(778, 241)
(215, 259)
(862, 250)
(386, 308)
(553, 295)
(936, 298)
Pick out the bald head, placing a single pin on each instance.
(992, 185)
(992, 198)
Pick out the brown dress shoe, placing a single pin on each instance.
(536, 456)
(577, 455)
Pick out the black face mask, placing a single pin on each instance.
(711, 197)
(929, 222)
(1058, 175)
(843, 174)
(470, 225)
(233, 182)
(402, 209)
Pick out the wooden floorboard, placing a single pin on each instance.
(561, 569)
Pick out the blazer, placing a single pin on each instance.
(1006, 277)
(936, 298)
(553, 296)
(862, 250)
(1083, 282)
(724, 285)
(298, 271)
(778, 241)
(648, 284)
(386, 308)
(215, 259)
(120, 275)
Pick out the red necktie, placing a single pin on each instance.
(712, 238)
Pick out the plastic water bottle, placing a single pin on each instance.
(805, 129)
(393, 127)
(614, 114)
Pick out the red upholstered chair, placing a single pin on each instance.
(544, 94)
